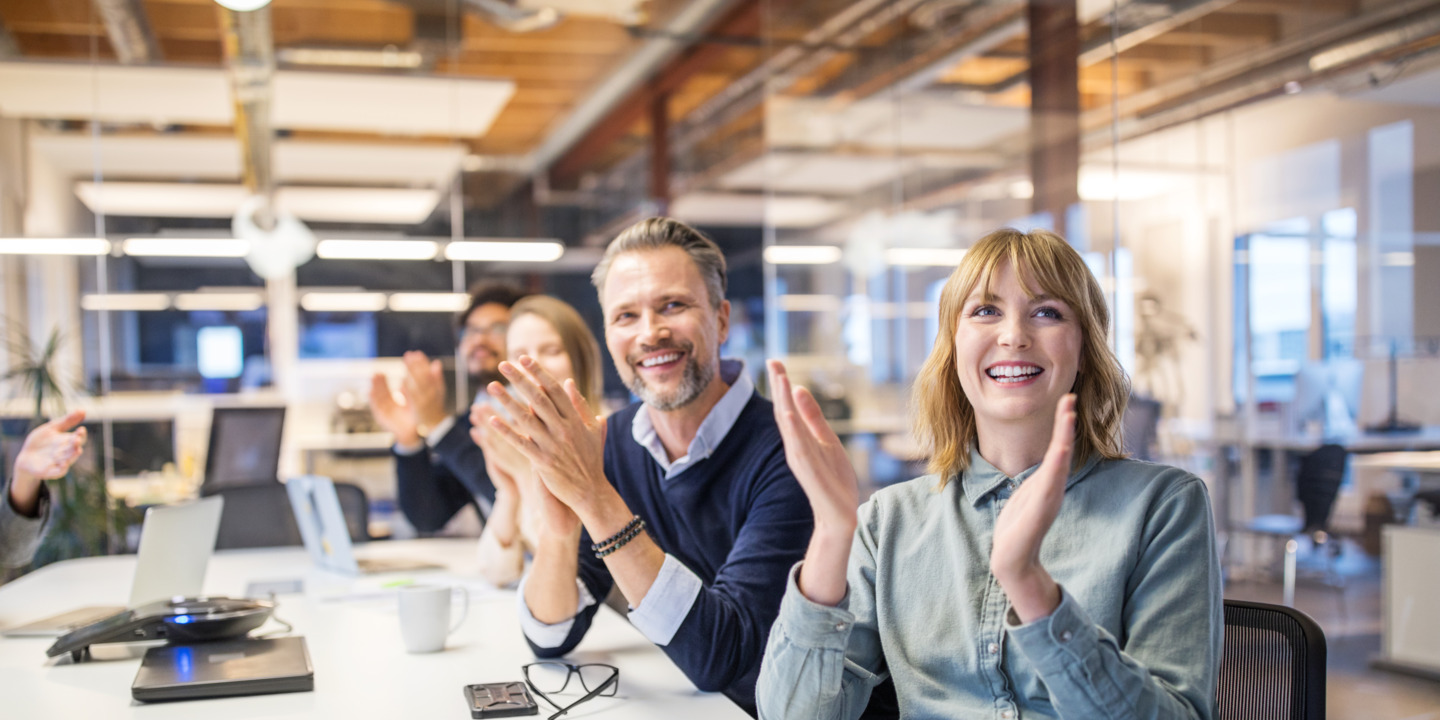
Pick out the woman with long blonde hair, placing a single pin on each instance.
(553, 333)
(1035, 572)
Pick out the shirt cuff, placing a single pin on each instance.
(440, 430)
(1057, 641)
(809, 624)
(408, 449)
(549, 636)
(668, 603)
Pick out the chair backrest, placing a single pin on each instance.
(355, 506)
(1139, 427)
(260, 515)
(1273, 664)
(1317, 485)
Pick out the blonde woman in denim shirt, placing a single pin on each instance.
(1035, 573)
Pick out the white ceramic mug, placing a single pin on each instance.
(425, 616)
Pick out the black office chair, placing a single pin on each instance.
(261, 516)
(1140, 427)
(1316, 487)
(1273, 664)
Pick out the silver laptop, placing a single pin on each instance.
(176, 542)
(327, 538)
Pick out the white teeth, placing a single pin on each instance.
(661, 360)
(1012, 373)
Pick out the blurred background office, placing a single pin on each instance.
(247, 204)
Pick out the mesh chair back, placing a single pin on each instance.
(261, 516)
(1321, 473)
(356, 509)
(1273, 664)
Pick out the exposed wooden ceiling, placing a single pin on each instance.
(885, 44)
(552, 69)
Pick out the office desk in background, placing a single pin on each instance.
(1279, 493)
(353, 633)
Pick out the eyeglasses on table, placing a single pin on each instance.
(549, 677)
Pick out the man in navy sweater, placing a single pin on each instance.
(438, 469)
(684, 500)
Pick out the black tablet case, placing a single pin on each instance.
(246, 666)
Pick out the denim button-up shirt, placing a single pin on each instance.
(1137, 633)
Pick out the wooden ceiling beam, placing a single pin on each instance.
(744, 21)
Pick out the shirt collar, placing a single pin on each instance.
(713, 428)
(981, 478)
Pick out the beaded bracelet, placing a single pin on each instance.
(597, 547)
(622, 541)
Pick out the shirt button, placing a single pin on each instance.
(993, 648)
(840, 626)
(1007, 714)
(1066, 635)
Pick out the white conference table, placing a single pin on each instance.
(352, 630)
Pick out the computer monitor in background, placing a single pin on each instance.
(141, 446)
(1328, 393)
(244, 447)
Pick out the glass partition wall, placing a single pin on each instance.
(1245, 179)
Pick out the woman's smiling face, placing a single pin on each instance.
(1016, 355)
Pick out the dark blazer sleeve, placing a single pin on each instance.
(435, 483)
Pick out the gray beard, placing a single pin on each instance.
(693, 382)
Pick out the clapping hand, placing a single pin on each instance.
(424, 388)
(48, 453)
(1027, 517)
(396, 417)
(504, 463)
(555, 431)
(820, 464)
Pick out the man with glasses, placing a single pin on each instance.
(684, 500)
(438, 468)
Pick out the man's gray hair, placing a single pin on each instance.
(662, 232)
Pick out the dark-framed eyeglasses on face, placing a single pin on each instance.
(497, 330)
(549, 677)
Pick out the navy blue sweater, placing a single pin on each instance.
(737, 519)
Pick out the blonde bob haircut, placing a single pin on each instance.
(944, 419)
(575, 336)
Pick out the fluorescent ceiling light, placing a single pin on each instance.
(370, 103)
(377, 249)
(429, 302)
(186, 247)
(505, 250)
(802, 254)
(389, 57)
(397, 206)
(238, 301)
(126, 301)
(242, 5)
(343, 301)
(54, 246)
(934, 257)
(809, 303)
(394, 206)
